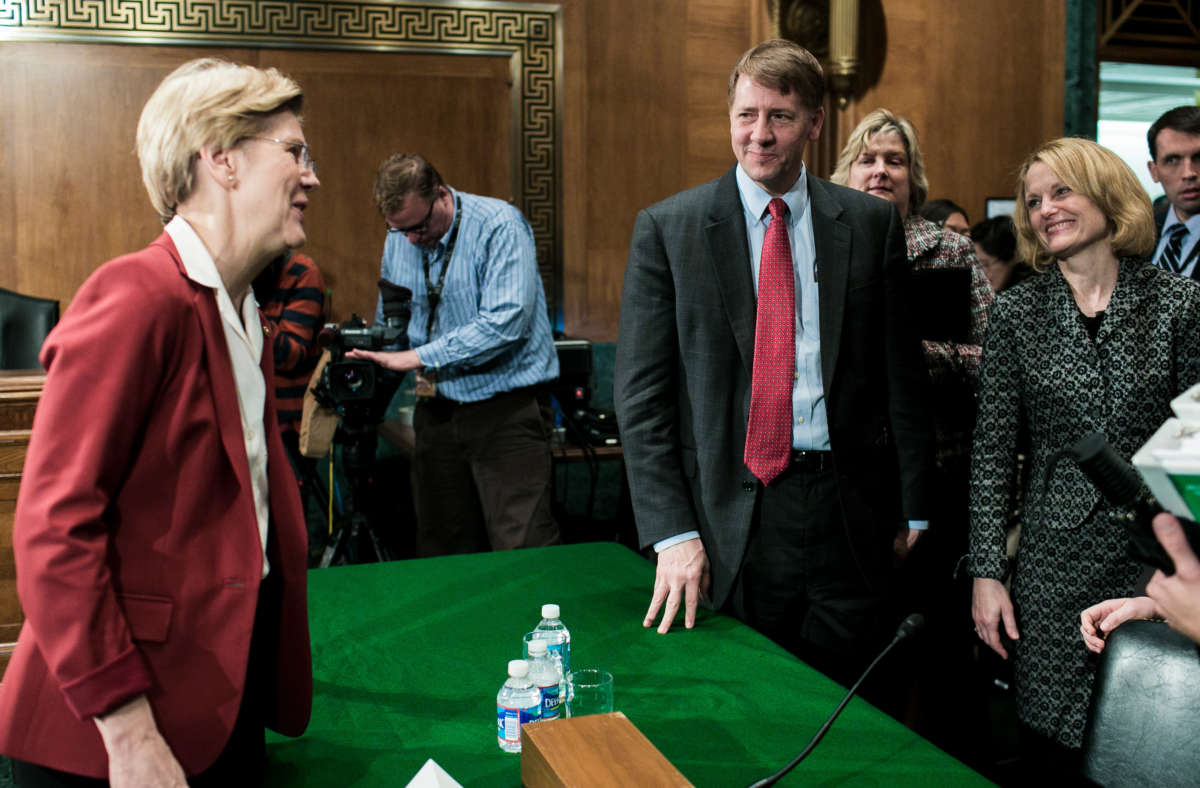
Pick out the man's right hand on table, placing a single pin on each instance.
(682, 572)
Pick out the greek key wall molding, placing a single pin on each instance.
(530, 34)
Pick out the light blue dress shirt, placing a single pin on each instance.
(810, 425)
(810, 428)
(491, 332)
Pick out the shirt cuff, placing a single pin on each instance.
(918, 525)
(671, 541)
(432, 354)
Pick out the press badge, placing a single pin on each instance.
(426, 382)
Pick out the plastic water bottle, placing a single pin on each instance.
(558, 639)
(546, 677)
(518, 702)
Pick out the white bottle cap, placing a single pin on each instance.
(537, 648)
(518, 668)
(549, 611)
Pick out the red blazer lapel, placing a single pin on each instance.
(224, 389)
(220, 371)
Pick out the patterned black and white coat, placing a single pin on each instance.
(1044, 374)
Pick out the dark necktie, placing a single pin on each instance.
(769, 433)
(1172, 259)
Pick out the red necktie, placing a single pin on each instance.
(769, 433)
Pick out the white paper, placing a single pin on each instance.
(1187, 405)
(1165, 444)
(432, 776)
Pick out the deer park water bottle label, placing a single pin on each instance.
(510, 720)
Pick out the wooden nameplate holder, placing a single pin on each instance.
(594, 751)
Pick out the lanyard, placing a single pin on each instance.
(435, 291)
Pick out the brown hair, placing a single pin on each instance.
(403, 174)
(784, 67)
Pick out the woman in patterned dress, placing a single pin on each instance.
(1100, 341)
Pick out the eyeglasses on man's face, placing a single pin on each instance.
(419, 228)
(299, 150)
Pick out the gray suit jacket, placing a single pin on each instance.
(683, 369)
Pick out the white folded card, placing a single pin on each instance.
(432, 776)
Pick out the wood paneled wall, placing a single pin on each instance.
(983, 83)
(71, 194)
(645, 87)
(19, 394)
(643, 115)
(646, 110)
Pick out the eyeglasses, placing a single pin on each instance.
(417, 229)
(300, 152)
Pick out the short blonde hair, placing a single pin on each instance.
(1098, 174)
(882, 121)
(204, 102)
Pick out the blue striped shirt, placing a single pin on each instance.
(492, 332)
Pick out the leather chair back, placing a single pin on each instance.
(1144, 719)
(24, 323)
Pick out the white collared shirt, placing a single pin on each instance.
(244, 338)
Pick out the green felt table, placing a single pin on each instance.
(408, 657)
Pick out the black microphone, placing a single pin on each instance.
(908, 627)
(1121, 486)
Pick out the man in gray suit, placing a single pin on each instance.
(799, 544)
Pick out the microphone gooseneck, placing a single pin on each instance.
(908, 627)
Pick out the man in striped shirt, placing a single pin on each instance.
(291, 294)
(482, 353)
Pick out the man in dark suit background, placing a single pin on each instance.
(773, 483)
(1174, 141)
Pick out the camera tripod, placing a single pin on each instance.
(357, 440)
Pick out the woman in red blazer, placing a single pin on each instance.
(159, 539)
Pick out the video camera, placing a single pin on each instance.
(360, 392)
(355, 380)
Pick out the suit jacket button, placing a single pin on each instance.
(748, 486)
